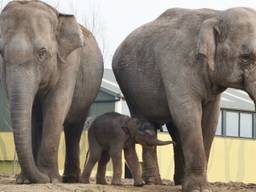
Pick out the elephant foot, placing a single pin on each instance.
(116, 182)
(84, 180)
(178, 179)
(70, 178)
(139, 183)
(55, 179)
(202, 189)
(153, 180)
(71, 173)
(101, 181)
(21, 179)
(196, 184)
(53, 174)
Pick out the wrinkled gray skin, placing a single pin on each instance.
(173, 70)
(108, 135)
(52, 72)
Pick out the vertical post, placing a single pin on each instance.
(118, 106)
(239, 124)
(224, 120)
(254, 125)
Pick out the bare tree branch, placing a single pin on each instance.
(94, 22)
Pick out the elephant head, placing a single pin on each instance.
(227, 43)
(35, 41)
(143, 132)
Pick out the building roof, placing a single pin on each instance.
(231, 98)
(109, 83)
(236, 99)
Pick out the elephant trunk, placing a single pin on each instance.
(250, 84)
(159, 142)
(251, 90)
(21, 94)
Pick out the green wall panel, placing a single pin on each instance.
(5, 122)
(104, 102)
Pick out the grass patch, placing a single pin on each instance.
(9, 167)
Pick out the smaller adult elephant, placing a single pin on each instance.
(108, 135)
(52, 72)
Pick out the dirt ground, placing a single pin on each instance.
(7, 184)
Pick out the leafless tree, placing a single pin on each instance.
(2, 2)
(57, 5)
(95, 23)
(92, 20)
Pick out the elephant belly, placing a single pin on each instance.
(87, 86)
(144, 94)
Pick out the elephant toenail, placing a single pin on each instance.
(55, 180)
(26, 181)
(19, 181)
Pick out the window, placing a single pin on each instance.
(219, 126)
(246, 125)
(232, 124)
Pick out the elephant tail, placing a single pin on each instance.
(87, 155)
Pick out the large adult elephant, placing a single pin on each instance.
(52, 72)
(174, 69)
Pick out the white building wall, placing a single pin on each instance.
(122, 107)
(125, 108)
(118, 106)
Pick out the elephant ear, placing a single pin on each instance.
(207, 40)
(70, 36)
(130, 126)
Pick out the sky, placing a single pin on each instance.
(115, 19)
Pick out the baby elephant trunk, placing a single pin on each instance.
(159, 142)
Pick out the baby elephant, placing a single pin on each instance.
(108, 135)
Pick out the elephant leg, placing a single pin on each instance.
(187, 115)
(94, 155)
(178, 154)
(37, 123)
(22, 179)
(209, 124)
(55, 108)
(101, 171)
(115, 153)
(133, 164)
(72, 162)
(48, 154)
(36, 137)
(150, 172)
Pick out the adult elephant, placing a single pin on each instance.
(174, 69)
(52, 72)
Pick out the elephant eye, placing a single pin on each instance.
(245, 59)
(150, 133)
(42, 54)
